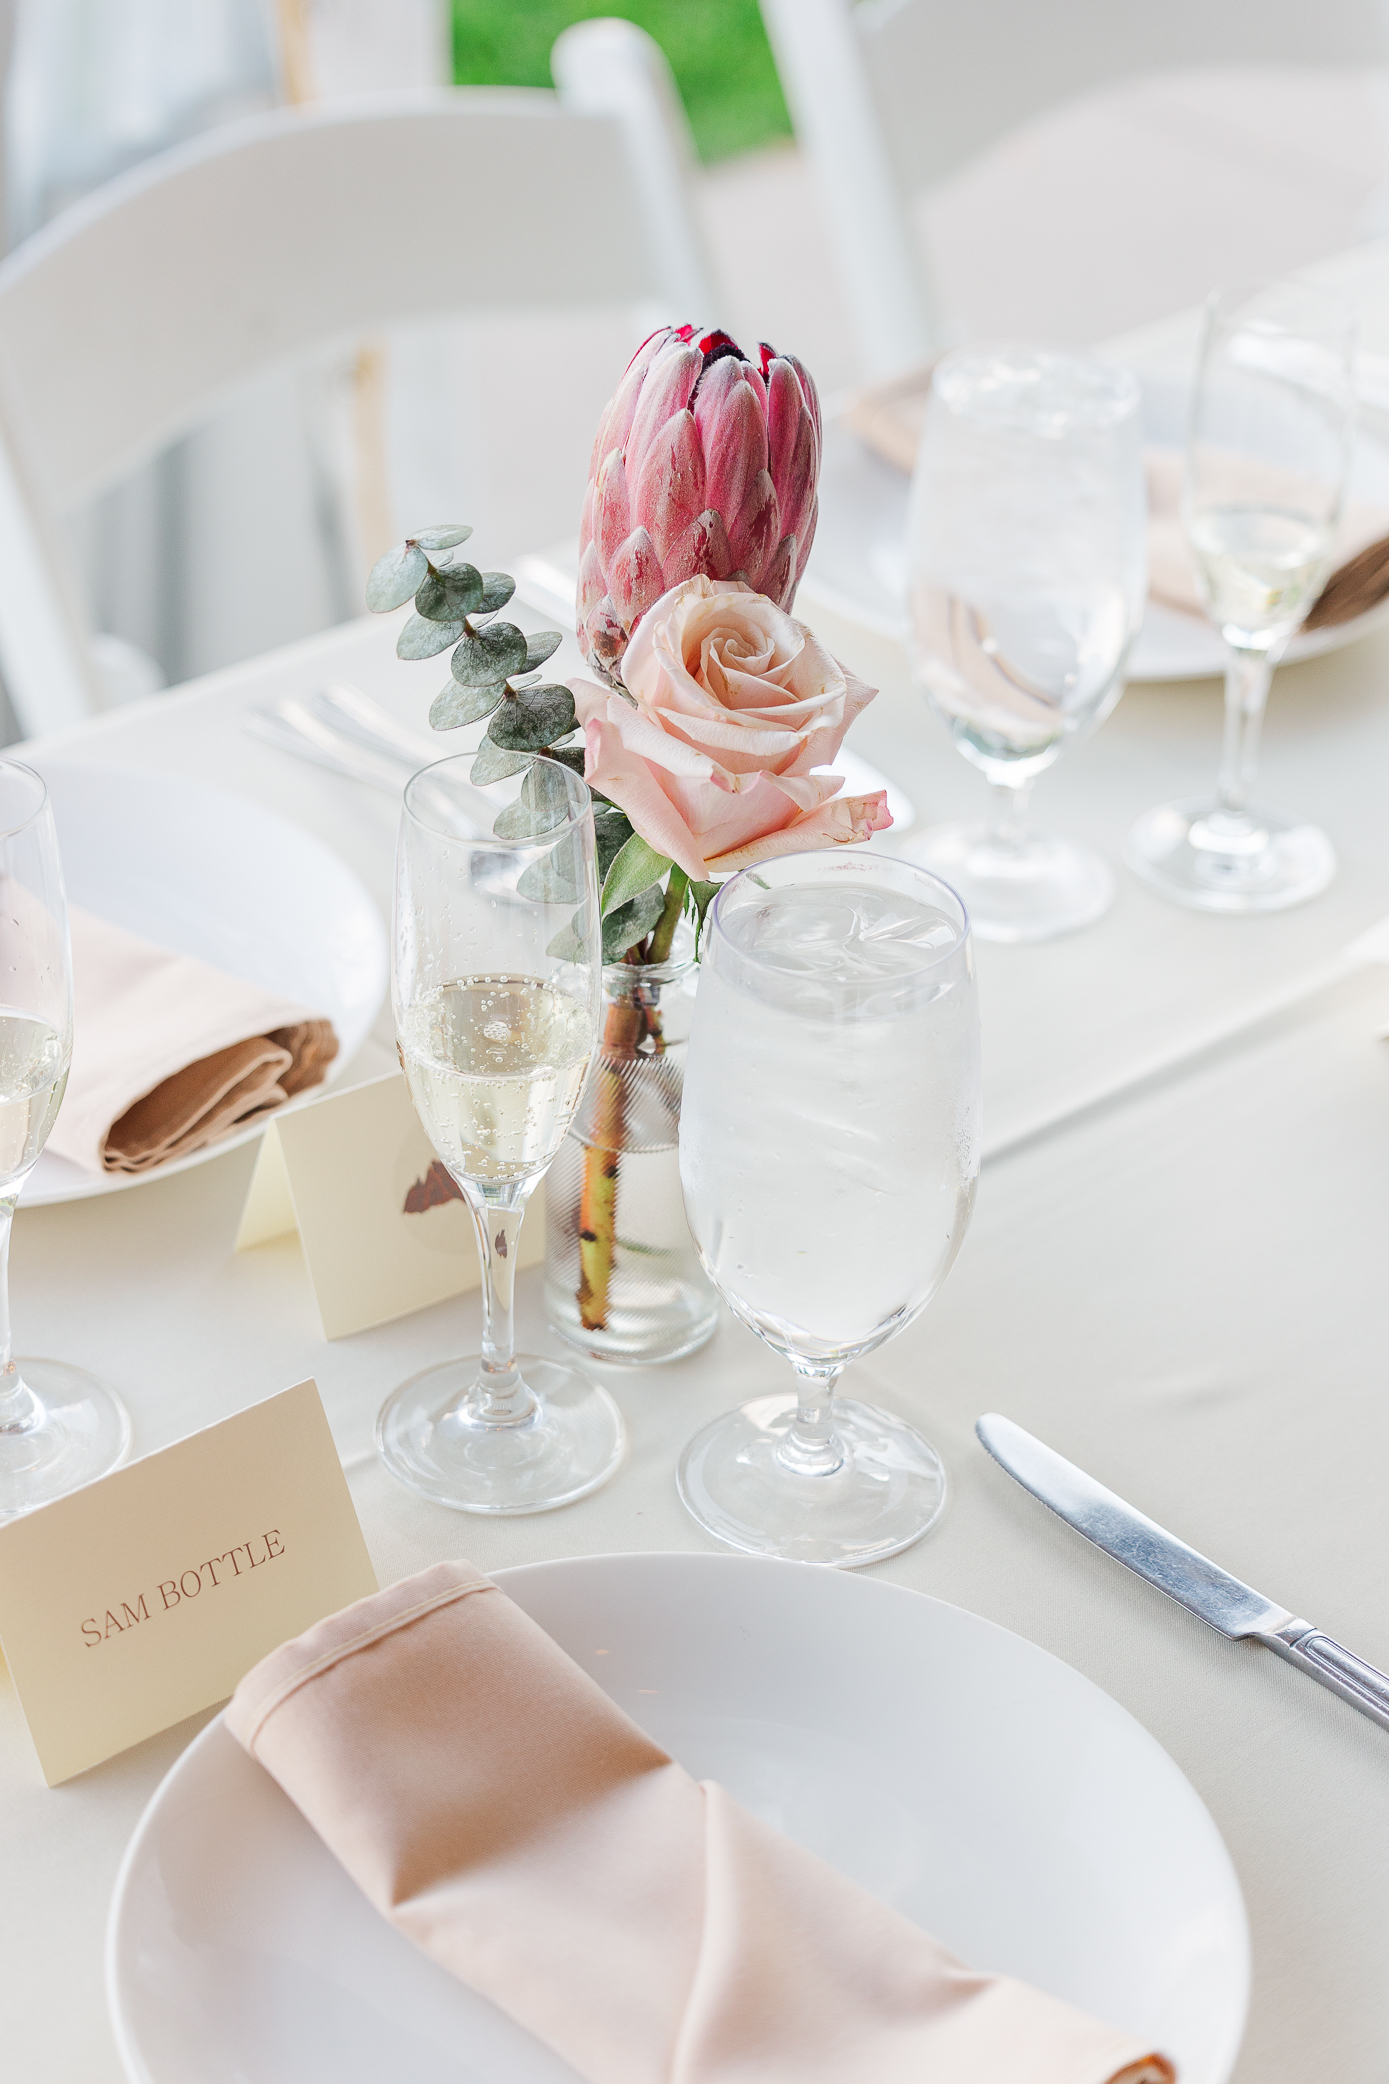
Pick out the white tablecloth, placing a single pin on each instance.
(1180, 1286)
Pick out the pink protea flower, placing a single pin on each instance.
(704, 464)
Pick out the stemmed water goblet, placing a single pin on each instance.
(1268, 453)
(829, 1150)
(59, 1426)
(1027, 567)
(496, 978)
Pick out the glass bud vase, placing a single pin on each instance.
(623, 1281)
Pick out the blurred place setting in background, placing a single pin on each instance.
(578, 1153)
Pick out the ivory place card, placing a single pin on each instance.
(383, 1227)
(147, 1594)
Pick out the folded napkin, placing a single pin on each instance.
(494, 1804)
(170, 1054)
(889, 419)
(1359, 578)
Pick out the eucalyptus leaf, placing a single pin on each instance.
(421, 638)
(556, 878)
(450, 594)
(446, 537)
(494, 763)
(612, 830)
(570, 756)
(394, 577)
(497, 589)
(455, 705)
(489, 654)
(568, 944)
(542, 804)
(527, 722)
(631, 923)
(635, 869)
(540, 645)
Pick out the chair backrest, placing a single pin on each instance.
(891, 95)
(129, 317)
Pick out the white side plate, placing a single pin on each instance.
(221, 878)
(958, 1771)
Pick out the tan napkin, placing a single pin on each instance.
(494, 1804)
(889, 419)
(170, 1054)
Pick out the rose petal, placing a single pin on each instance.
(844, 821)
(823, 746)
(630, 783)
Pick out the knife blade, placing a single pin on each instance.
(1215, 1596)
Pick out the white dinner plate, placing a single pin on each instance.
(956, 1770)
(858, 568)
(224, 879)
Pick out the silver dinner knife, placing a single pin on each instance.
(1196, 1583)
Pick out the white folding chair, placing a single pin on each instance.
(890, 96)
(138, 310)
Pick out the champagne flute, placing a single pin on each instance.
(1267, 458)
(829, 1150)
(1027, 560)
(496, 983)
(59, 1426)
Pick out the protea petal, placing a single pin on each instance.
(703, 549)
(602, 639)
(612, 519)
(634, 578)
(669, 495)
(753, 538)
(779, 579)
(734, 433)
(803, 544)
(593, 582)
(667, 390)
(796, 484)
(785, 412)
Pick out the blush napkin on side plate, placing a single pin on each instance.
(506, 1816)
(170, 1055)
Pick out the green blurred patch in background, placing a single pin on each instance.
(717, 49)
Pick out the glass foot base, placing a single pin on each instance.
(82, 1433)
(889, 1488)
(572, 1441)
(1029, 892)
(1225, 861)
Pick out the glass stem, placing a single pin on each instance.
(500, 1396)
(19, 1410)
(1008, 803)
(1247, 677)
(812, 1447)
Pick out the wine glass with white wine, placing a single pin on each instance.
(496, 982)
(1268, 454)
(59, 1426)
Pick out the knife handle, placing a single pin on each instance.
(1335, 1667)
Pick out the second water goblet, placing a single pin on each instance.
(829, 1150)
(496, 976)
(1027, 561)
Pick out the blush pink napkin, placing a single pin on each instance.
(169, 1054)
(494, 1804)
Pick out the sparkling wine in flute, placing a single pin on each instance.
(33, 1075)
(495, 1067)
(1260, 568)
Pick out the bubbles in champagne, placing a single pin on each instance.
(495, 1067)
(33, 1076)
